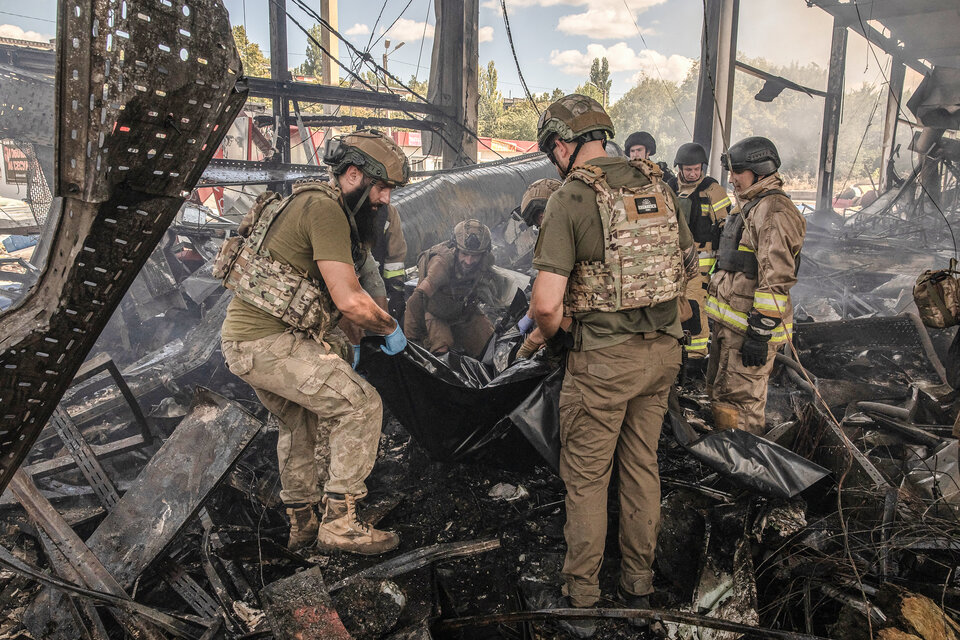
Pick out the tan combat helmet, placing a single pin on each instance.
(373, 152)
(472, 237)
(535, 200)
(572, 118)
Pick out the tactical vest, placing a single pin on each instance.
(701, 226)
(732, 256)
(642, 263)
(279, 289)
(457, 297)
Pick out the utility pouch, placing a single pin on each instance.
(937, 295)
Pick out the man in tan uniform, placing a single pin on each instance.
(294, 272)
(442, 312)
(705, 204)
(749, 294)
(612, 255)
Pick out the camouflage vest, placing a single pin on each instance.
(279, 289)
(642, 263)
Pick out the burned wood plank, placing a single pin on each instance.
(173, 486)
(68, 463)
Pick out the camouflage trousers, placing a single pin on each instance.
(320, 401)
(612, 405)
(738, 394)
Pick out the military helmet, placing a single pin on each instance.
(472, 237)
(757, 154)
(690, 153)
(571, 117)
(372, 152)
(641, 138)
(535, 199)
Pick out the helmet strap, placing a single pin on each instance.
(573, 156)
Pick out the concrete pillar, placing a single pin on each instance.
(279, 70)
(329, 68)
(726, 67)
(832, 108)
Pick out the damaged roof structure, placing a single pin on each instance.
(141, 492)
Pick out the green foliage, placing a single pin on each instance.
(313, 64)
(419, 86)
(792, 120)
(255, 64)
(600, 78)
(490, 107)
(590, 90)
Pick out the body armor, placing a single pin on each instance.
(246, 267)
(701, 223)
(642, 264)
(733, 256)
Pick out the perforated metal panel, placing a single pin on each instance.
(145, 91)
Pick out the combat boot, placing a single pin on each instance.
(303, 525)
(342, 530)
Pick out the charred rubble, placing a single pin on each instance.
(143, 499)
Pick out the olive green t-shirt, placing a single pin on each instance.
(312, 227)
(572, 232)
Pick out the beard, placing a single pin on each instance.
(365, 216)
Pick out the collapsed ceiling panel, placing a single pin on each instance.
(145, 91)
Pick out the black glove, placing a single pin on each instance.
(693, 325)
(760, 329)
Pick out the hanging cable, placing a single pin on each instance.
(423, 37)
(657, 68)
(395, 21)
(506, 23)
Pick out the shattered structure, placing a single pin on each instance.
(142, 492)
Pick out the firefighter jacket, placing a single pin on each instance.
(757, 260)
(705, 204)
(389, 247)
(642, 264)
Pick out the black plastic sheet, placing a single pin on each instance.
(746, 459)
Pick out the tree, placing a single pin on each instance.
(600, 78)
(490, 106)
(313, 64)
(557, 94)
(255, 64)
(589, 90)
(420, 86)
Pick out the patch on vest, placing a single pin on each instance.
(640, 208)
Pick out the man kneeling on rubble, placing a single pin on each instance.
(295, 276)
(748, 298)
(442, 313)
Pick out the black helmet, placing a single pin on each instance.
(640, 138)
(757, 154)
(690, 153)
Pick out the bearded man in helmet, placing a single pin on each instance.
(641, 145)
(749, 294)
(295, 277)
(705, 204)
(613, 256)
(442, 312)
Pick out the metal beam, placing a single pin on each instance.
(789, 84)
(831, 115)
(725, 69)
(316, 120)
(705, 113)
(306, 92)
(891, 118)
(881, 9)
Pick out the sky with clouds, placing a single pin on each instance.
(556, 40)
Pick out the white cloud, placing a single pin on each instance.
(486, 34)
(406, 30)
(13, 31)
(622, 58)
(602, 23)
(358, 30)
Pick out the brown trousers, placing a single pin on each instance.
(469, 333)
(738, 394)
(321, 402)
(612, 403)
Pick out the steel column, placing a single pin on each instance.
(832, 108)
(279, 70)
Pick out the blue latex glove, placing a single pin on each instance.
(356, 355)
(394, 342)
(526, 325)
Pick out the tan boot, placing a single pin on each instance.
(342, 530)
(303, 526)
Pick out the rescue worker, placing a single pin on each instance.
(294, 275)
(749, 294)
(640, 145)
(621, 324)
(390, 251)
(705, 204)
(531, 209)
(442, 312)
